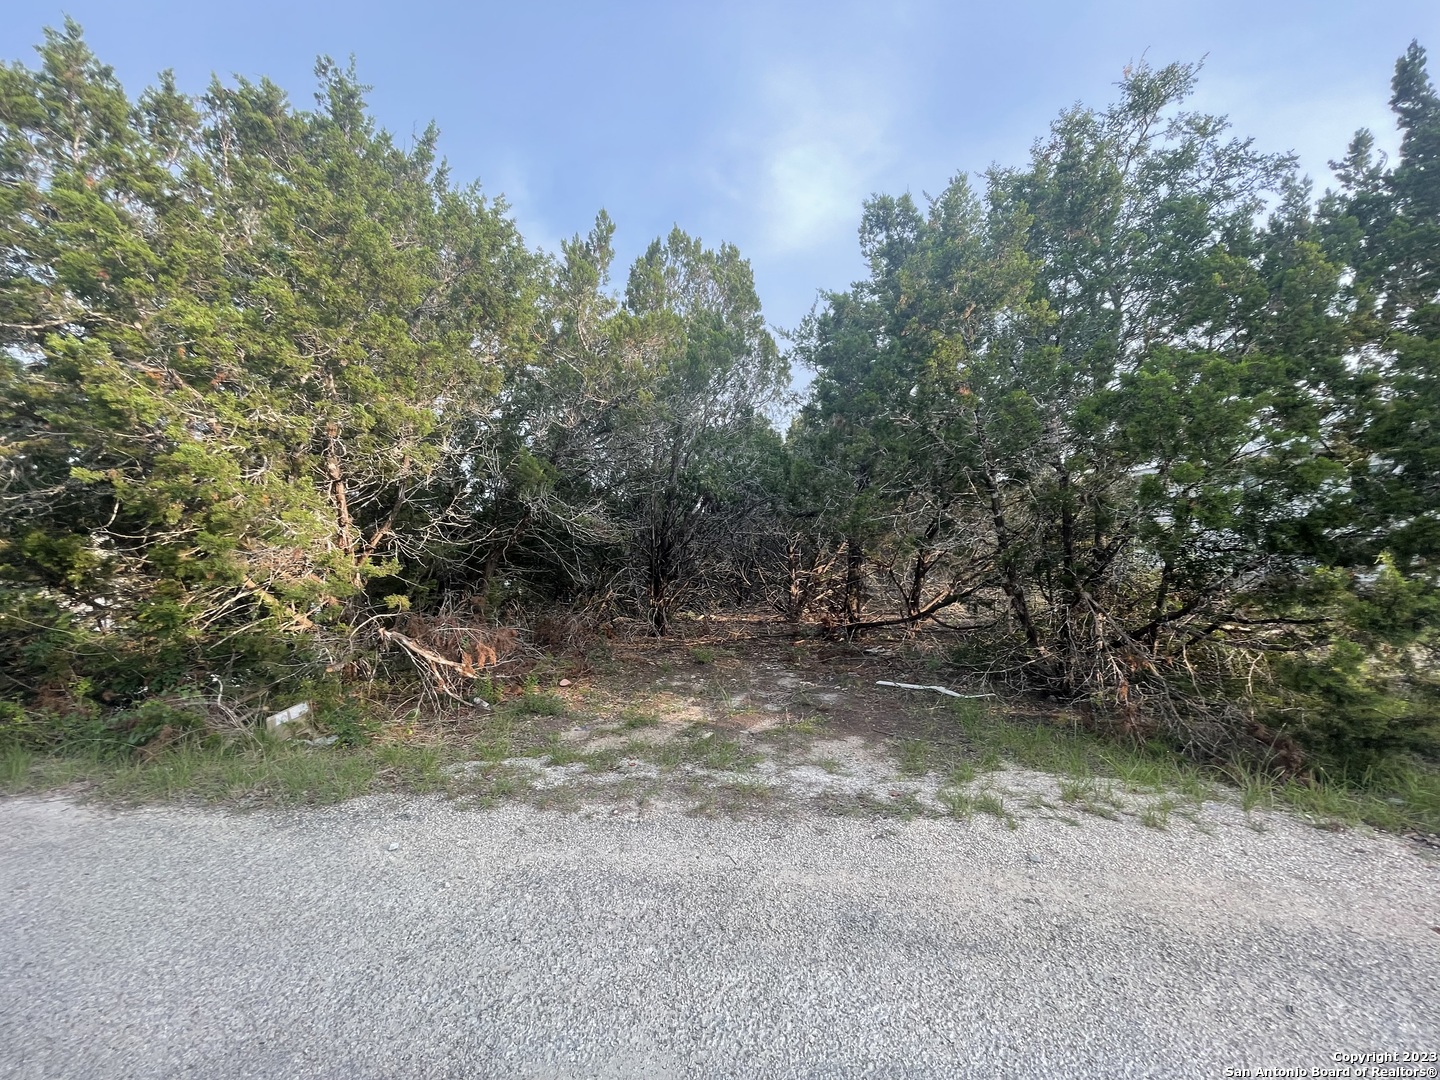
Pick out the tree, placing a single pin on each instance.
(705, 367)
(1385, 225)
(1095, 398)
(239, 348)
(1372, 687)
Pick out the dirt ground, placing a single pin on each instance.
(739, 714)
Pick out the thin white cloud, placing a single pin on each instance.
(808, 153)
(821, 159)
(510, 177)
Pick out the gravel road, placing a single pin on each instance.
(394, 937)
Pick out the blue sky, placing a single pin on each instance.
(765, 124)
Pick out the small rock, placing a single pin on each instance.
(564, 682)
(393, 847)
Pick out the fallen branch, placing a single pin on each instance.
(940, 603)
(937, 689)
(419, 650)
(435, 661)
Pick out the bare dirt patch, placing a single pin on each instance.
(739, 715)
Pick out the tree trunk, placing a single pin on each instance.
(854, 579)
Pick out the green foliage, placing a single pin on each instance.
(93, 730)
(1130, 417)
(43, 729)
(156, 719)
(351, 722)
(238, 339)
(1372, 691)
(539, 703)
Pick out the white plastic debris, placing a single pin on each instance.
(938, 689)
(276, 722)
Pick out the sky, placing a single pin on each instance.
(763, 124)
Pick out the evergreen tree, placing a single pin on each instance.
(238, 344)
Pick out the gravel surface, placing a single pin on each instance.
(393, 937)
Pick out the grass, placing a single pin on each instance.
(722, 754)
(601, 661)
(960, 804)
(990, 803)
(253, 769)
(806, 725)
(601, 761)
(1400, 797)
(495, 784)
(634, 719)
(24, 771)
(748, 790)
(539, 703)
(958, 741)
(559, 752)
(699, 746)
(915, 757)
(238, 773)
(961, 774)
(1091, 796)
(800, 726)
(965, 805)
(1256, 790)
(907, 805)
(1157, 814)
(15, 767)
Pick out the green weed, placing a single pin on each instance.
(633, 719)
(958, 803)
(540, 703)
(988, 802)
(915, 757)
(961, 774)
(16, 764)
(1157, 814)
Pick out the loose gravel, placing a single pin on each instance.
(400, 937)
